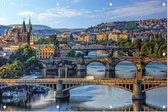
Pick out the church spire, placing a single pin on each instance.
(29, 28)
(23, 26)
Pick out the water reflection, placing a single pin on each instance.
(125, 69)
(156, 69)
(92, 97)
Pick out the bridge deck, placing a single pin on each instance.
(82, 80)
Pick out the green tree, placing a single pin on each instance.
(78, 54)
(13, 70)
(137, 44)
(71, 53)
(23, 53)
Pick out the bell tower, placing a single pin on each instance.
(29, 27)
(23, 26)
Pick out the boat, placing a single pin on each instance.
(14, 94)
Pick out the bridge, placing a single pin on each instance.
(63, 85)
(109, 63)
(109, 49)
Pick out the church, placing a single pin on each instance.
(20, 34)
(25, 34)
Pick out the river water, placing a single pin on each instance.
(100, 97)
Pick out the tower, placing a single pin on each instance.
(23, 27)
(29, 27)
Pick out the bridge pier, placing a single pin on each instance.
(81, 70)
(63, 72)
(110, 71)
(137, 93)
(60, 94)
(143, 70)
(44, 72)
(137, 105)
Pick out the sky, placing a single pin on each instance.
(79, 13)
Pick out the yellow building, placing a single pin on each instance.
(124, 35)
(114, 35)
(101, 36)
(45, 50)
(83, 37)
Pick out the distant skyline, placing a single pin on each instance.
(79, 13)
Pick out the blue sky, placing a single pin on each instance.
(79, 13)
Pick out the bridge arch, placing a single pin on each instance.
(125, 69)
(156, 68)
(98, 52)
(96, 68)
(81, 85)
(91, 61)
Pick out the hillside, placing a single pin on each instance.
(42, 29)
(131, 26)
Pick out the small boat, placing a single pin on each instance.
(14, 94)
(39, 90)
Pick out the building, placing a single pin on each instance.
(83, 37)
(20, 34)
(101, 36)
(114, 35)
(10, 49)
(124, 35)
(45, 50)
(92, 37)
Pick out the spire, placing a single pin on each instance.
(29, 28)
(23, 26)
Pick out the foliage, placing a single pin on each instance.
(13, 70)
(51, 40)
(23, 61)
(3, 61)
(23, 53)
(153, 47)
(72, 53)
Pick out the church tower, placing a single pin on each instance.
(24, 27)
(29, 27)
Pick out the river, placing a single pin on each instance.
(100, 97)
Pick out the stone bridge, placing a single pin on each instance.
(109, 63)
(109, 50)
(63, 85)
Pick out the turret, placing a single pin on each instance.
(23, 27)
(29, 27)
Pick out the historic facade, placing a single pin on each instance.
(20, 34)
(45, 50)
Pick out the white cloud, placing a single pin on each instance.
(3, 21)
(136, 10)
(51, 13)
(74, 1)
(27, 13)
(59, 12)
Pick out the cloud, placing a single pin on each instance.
(3, 21)
(26, 13)
(74, 1)
(59, 12)
(51, 13)
(137, 10)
